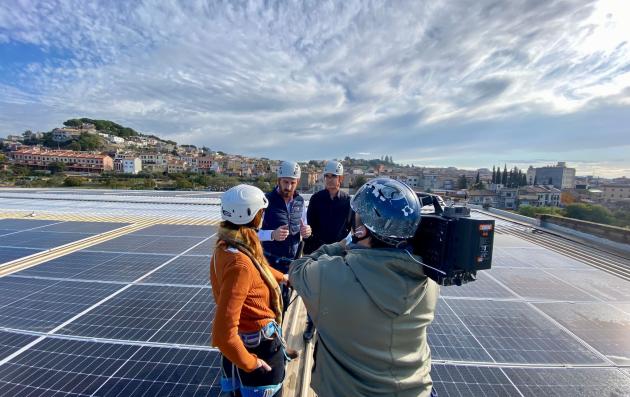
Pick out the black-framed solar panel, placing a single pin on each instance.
(68, 265)
(541, 258)
(135, 314)
(148, 244)
(514, 332)
(87, 265)
(15, 288)
(63, 367)
(123, 244)
(154, 371)
(165, 230)
(593, 281)
(170, 245)
(41, 240)
(569, 382)
(601, 325)
(537, 284)
(192, 325)
(483, 287)
(450, 340)
(11, 342)
(84, 227)
(185, 270)
(23, 224)
(205, 248)
(49, 307)
(469, 381)
(8, 254)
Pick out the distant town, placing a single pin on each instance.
(101, 153)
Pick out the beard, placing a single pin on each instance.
(286, 193)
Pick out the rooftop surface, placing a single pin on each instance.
(106, 293)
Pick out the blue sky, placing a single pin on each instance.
(468, 83)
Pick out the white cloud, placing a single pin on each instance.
(291, 79)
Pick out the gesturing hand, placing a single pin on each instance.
(305, 230)
(281, 233)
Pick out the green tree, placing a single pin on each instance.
(73, 181)
(56, 167)
(504, 177)
(462, 183)
(494, 175)
(589, 212)
(359, 181)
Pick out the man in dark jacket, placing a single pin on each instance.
(328, 215)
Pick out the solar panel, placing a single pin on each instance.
(205, 248)
(176, 231)
(15, 288)
(605, 328)
(43, 310)
(540, 258)
(597, 283)
(43, 240)
(483, 287)
(536, 284)
(185, 270)
(8, 254)
(192, 325)
(23, 224)
(468, 381)
(135, 314)
(514, 332)
(83, 227)
(85, 265)
(10, 342)
(450, 340)
(147, 244)
(569, 382)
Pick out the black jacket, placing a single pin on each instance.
(329, 219)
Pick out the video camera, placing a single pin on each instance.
(453, 246)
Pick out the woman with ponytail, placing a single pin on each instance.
(248, 300)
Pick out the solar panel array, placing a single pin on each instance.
(132, 316)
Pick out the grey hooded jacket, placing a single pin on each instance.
(371, 308)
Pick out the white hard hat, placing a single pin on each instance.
(333, 167)
(289, 169)
(241, 203)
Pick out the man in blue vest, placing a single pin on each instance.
(284, 224)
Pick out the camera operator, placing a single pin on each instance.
(371, 301)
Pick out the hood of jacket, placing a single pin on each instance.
(392, 278)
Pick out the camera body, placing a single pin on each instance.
(452, 245)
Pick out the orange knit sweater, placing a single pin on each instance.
(242, 304)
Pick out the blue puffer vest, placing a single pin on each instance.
(277, 215)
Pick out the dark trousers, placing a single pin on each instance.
(271, 352)
(286, 298)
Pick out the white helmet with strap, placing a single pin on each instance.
(241, 203)
(289, 169)
(333, 167)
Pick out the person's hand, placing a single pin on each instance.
(285, 279)
(260, 363)
(281, 233)
(360, 232)
(305, 230)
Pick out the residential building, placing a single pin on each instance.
(615, 192)
(177, 166)
(481, 197)
(128, 164)
(74, 161)
(65, 134)
(508, 198)
(539, 196)
(531, 175)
